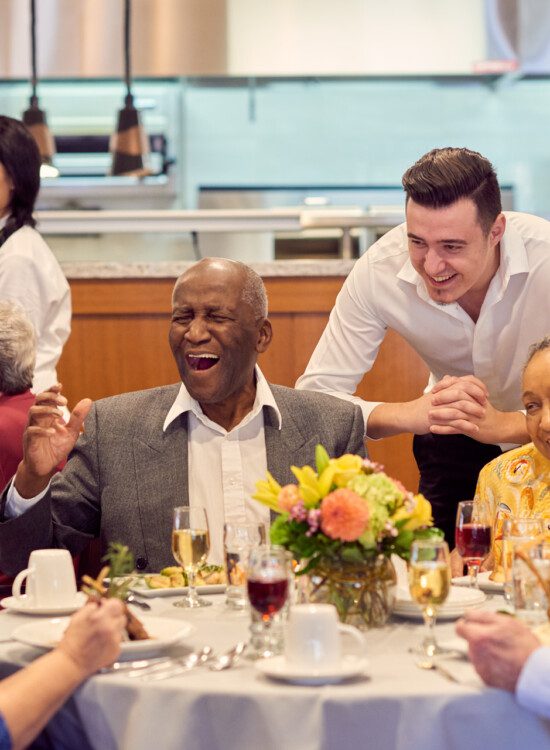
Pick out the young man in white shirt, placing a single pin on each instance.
(467, 286)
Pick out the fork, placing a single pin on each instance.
(437, 667)
(174, 667)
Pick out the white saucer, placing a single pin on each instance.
(459, 600)
(278, 668)
(493, 587)
(22, 606)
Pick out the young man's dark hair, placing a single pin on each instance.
(445, 175)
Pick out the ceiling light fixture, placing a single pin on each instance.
(129, 145)
(34, 117)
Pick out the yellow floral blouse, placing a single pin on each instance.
(517, 483)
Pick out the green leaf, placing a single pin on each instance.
(322, 459)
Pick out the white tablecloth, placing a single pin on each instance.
(395, 706)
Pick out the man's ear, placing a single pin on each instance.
(265, 334)
(497, 230)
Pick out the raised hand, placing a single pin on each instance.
(48, 440)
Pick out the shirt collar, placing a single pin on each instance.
(513, 260)
(185, 403)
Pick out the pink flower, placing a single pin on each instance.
(313, 518)
(298, 512)
(344, 515)
(288, 496)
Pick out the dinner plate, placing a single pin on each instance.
(143, 590)
(458, 601)
(24, 607)
(164, 633)
(278, 668)
(493, 587)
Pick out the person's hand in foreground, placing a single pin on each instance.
(498, 646)
(48, 440)
(29, 698)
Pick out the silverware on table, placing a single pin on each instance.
(174, 667)
(229, 659)
(437, 667)
(131, 599)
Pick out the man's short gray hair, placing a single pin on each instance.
(17, 349)
(254, 292)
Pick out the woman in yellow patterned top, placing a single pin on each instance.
(517, 483)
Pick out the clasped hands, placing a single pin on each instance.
(460, 406)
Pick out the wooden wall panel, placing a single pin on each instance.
(119, 342)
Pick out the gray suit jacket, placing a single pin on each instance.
(125, 475)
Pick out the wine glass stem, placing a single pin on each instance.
(473, 569)
(191, 590)
(429, 644)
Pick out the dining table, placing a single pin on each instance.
(391, 705)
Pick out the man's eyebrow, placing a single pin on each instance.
(449, 241)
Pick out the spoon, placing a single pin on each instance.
(230, 658)
(438, 668)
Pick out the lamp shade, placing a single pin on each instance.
(129, 144)
(35, 120)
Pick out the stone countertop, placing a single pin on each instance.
(172, 269)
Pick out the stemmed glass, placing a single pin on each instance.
(190, 547)
(429, 582)
(267, 586)
(472, 536)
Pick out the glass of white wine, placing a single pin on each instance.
(429, 583)
(190, 547)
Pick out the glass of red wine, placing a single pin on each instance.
(472, 536)
(267, 587)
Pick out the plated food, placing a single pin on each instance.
(175, 577)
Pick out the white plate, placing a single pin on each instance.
(22, 606)
(163, 631)
(458, 601)
(483, 581)
(152, 593)
(278, 668)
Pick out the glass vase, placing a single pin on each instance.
(363, 593)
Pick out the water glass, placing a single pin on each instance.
(531, 582)
(239, 539)
(516, 531)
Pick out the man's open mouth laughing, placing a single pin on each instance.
(201, 361)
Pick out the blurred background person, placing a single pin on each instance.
(17, 360)
(29, 272)
(29, 698)
(508, 655)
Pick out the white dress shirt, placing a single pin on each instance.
(533, 688)
(30, 275)
(384, 291)
(223, 467)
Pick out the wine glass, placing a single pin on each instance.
(472, 536)
(267, 587)
(190, 546)
(429, 582)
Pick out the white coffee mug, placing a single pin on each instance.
(313, 636)
(50, 579)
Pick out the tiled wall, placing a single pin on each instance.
(344, 132)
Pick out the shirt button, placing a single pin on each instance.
(141, 563)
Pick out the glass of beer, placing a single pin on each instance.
(190, 547)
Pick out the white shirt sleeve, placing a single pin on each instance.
(17, 505)
(349, 344)
(533, 688)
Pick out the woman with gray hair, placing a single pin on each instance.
(17, 360)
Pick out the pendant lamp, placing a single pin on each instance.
(129, 145)
(34, 117)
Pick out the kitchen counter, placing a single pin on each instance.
(172, 269)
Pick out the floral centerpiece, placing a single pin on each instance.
(342, 523)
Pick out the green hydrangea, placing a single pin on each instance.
(378, 489)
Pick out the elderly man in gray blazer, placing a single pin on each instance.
(205, 440)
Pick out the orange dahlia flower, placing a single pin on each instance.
(344, 515)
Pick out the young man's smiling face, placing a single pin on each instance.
(448, 248)
(536, 400)
(215, 337)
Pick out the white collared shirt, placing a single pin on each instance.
(384, 291)
(533, 687)
(223, 467)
